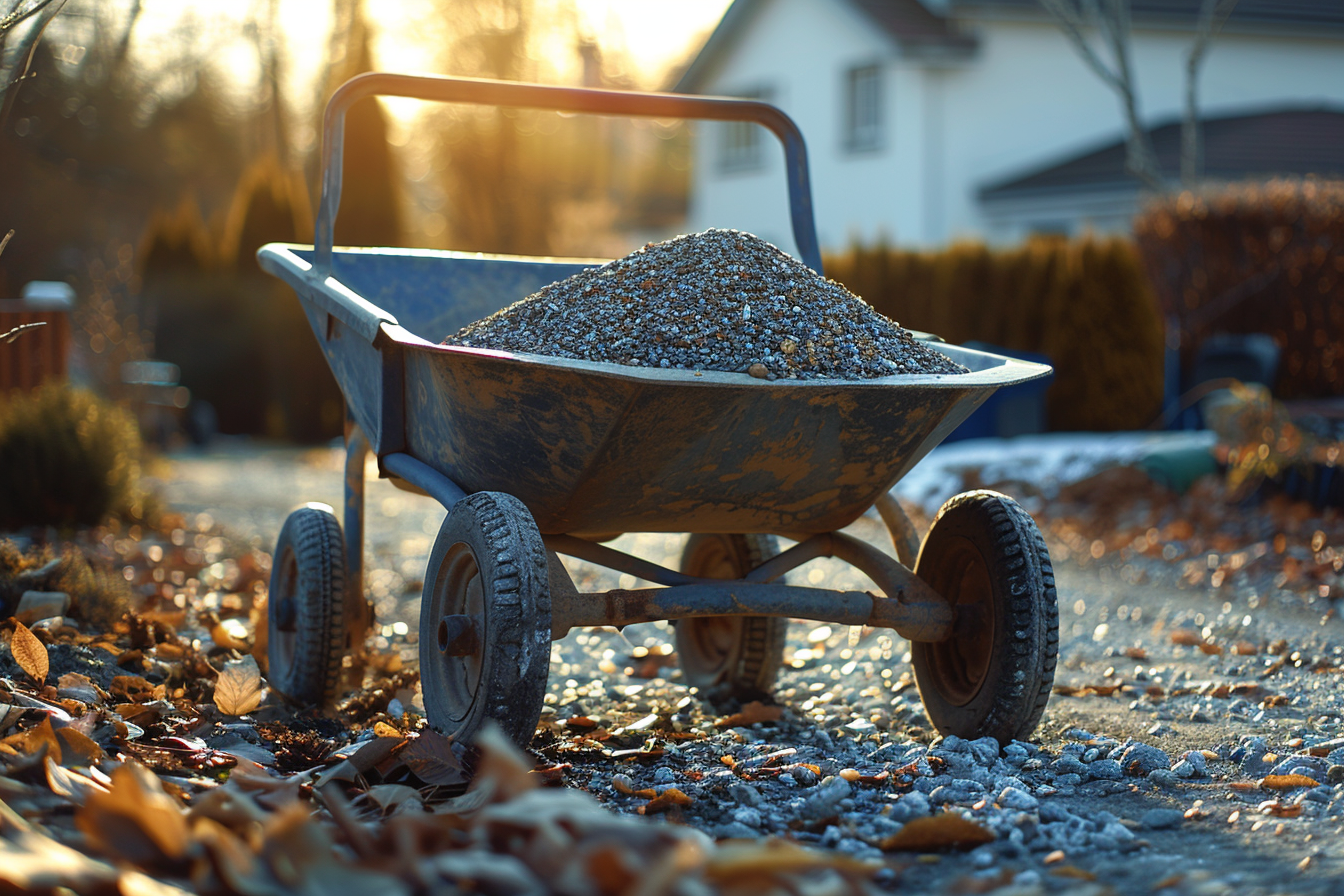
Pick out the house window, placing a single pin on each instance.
(863, 108)
(740, 147)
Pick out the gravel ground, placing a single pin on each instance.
(717, 300)
(1195, 743)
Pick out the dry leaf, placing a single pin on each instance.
(1072, 871)
(430, 758)
(38, 738)
(77, 748)
(70, 784)
(1091, 690)
(751, 713)
(238, 690)
(136, 820)
(389, 797)
(752, 860)
(29, 653)
(1186, 637)
(665, 801)
(1287, 782)
(32, 862)
(947, 830)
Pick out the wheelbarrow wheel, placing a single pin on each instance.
(306, 607)
(992, 677)
(730, 656)
(485, 620)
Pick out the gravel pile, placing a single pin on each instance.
(718, 300)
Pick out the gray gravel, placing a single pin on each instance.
(718, 300)
(1155, 783)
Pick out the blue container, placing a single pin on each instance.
(1011, 411)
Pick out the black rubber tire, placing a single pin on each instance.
(992, 678)
(730, 656)
(306, 607)
(488, 563)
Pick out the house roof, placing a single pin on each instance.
(910, 23)
(918, 27)
(1288, 14)
(1281, 142)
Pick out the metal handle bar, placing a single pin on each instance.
(560, 99)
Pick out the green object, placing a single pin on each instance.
(1178, 468)
(67, 458)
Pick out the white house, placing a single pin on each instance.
(929, 120)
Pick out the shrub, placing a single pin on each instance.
(1256, 258)
(67, 459)
(1083, 303)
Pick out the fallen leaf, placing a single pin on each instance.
(1135, 653)
(389, 797)
(1091, 690)
(1277, 700)
(751, 713)
(1279, 809)
(665, 801)
(430, 758)
(946, 830)
(29, 653)
(70, 784)
(33, 862)
(30, 743)
(77, 748)
(135, 820)
(238, 690)
(1287, 782)
(1186, 637)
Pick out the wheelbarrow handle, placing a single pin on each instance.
(561, 99)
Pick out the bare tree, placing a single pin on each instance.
(1212, 15)
(1110, 20)
(21, 24)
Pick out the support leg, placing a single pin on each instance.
(359, 614)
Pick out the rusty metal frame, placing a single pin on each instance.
(560, 99)
(910, 607)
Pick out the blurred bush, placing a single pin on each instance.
(1083, 303)
(67, 458)
(238, 335)
(1256, 258)
(99, 593)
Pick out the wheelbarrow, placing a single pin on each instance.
(533, 457)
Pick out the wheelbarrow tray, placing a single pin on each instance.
(594, 448)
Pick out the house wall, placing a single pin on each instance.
(1023, 101)
(800, 51)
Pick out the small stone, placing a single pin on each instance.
(1105, 770)
(758, 370)
(849, 774)
(1138, 759)
(1335, 774)
(1161, 819)
(1013, 798)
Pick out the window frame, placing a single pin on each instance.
(740, 146)
(863, 92)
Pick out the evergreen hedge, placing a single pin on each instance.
(1084, 303)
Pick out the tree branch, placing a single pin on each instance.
(1212, 15)
(1111, 19)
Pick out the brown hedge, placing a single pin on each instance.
(1083, 303)
(1256, 258)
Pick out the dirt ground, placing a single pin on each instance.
(1149, 651)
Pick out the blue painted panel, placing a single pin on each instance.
(435, 294)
